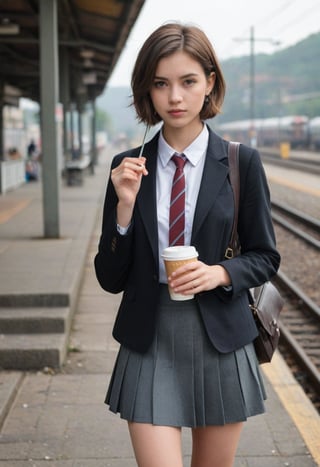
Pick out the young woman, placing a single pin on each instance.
(189, 363)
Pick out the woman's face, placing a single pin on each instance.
(179, 89)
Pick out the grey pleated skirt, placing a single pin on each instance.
(182, 380)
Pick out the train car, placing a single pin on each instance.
(293, 129)
(238, 130)
(314, 133)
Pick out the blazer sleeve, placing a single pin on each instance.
(113, 258)
(259, 259)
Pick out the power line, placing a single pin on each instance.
(298, 18)
(276, 12)
(270, 16)
(270, 22)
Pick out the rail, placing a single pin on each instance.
(300, 319)
(300, 330)
(297, 223)
(303, 164)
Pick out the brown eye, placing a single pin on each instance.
(159, 84)
(189, 82)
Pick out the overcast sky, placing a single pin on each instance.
(225, 22)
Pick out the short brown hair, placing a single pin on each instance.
(164, 41)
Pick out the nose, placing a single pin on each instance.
(175, 94)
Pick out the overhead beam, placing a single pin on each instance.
(67, 42)
(70, 14)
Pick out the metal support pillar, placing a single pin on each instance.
(80, 129)
(1, 133)
(49, 100)
(64, 94)
(93, 138)
(72, 133)
(1, 123)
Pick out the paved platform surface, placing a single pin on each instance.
(58, 418)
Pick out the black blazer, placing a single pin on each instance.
(129, 263)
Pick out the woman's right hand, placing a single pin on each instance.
(126, 179)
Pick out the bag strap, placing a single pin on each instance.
(234, 175)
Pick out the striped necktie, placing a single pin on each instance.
(177, 203)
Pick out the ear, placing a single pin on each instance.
(211, 79)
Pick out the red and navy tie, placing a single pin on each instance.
(177, 203)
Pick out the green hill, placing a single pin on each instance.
(286, 82)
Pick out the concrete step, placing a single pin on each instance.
(32, 351)
(33, 338)
(34, 320)
(37, 299)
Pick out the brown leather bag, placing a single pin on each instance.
(266, 302)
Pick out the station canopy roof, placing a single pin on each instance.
(94, 33)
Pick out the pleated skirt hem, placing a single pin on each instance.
(182, 380)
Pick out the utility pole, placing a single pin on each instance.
(252, 39)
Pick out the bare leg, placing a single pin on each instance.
(156, 446)
(215, 446)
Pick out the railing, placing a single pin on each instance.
(12, 175)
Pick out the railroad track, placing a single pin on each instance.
(300, 336)
(304, 165)
(300, 319)
(301, 225)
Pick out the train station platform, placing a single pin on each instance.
(57, 416)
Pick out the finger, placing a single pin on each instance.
(137, 165)
(141, 160)
(183, 281)
(130, 168)
(188, 288)
(142, 165)
(188, 267)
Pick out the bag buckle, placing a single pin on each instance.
(229, 253)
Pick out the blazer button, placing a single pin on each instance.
(155, 277)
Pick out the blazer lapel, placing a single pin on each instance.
(214, 176)
(147, 198)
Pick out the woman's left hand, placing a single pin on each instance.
(196, 276)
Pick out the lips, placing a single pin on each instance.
(176, 112)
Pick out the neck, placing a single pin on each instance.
(181, 138)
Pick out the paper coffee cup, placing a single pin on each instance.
(174, 257)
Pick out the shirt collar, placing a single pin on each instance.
(193, 152)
